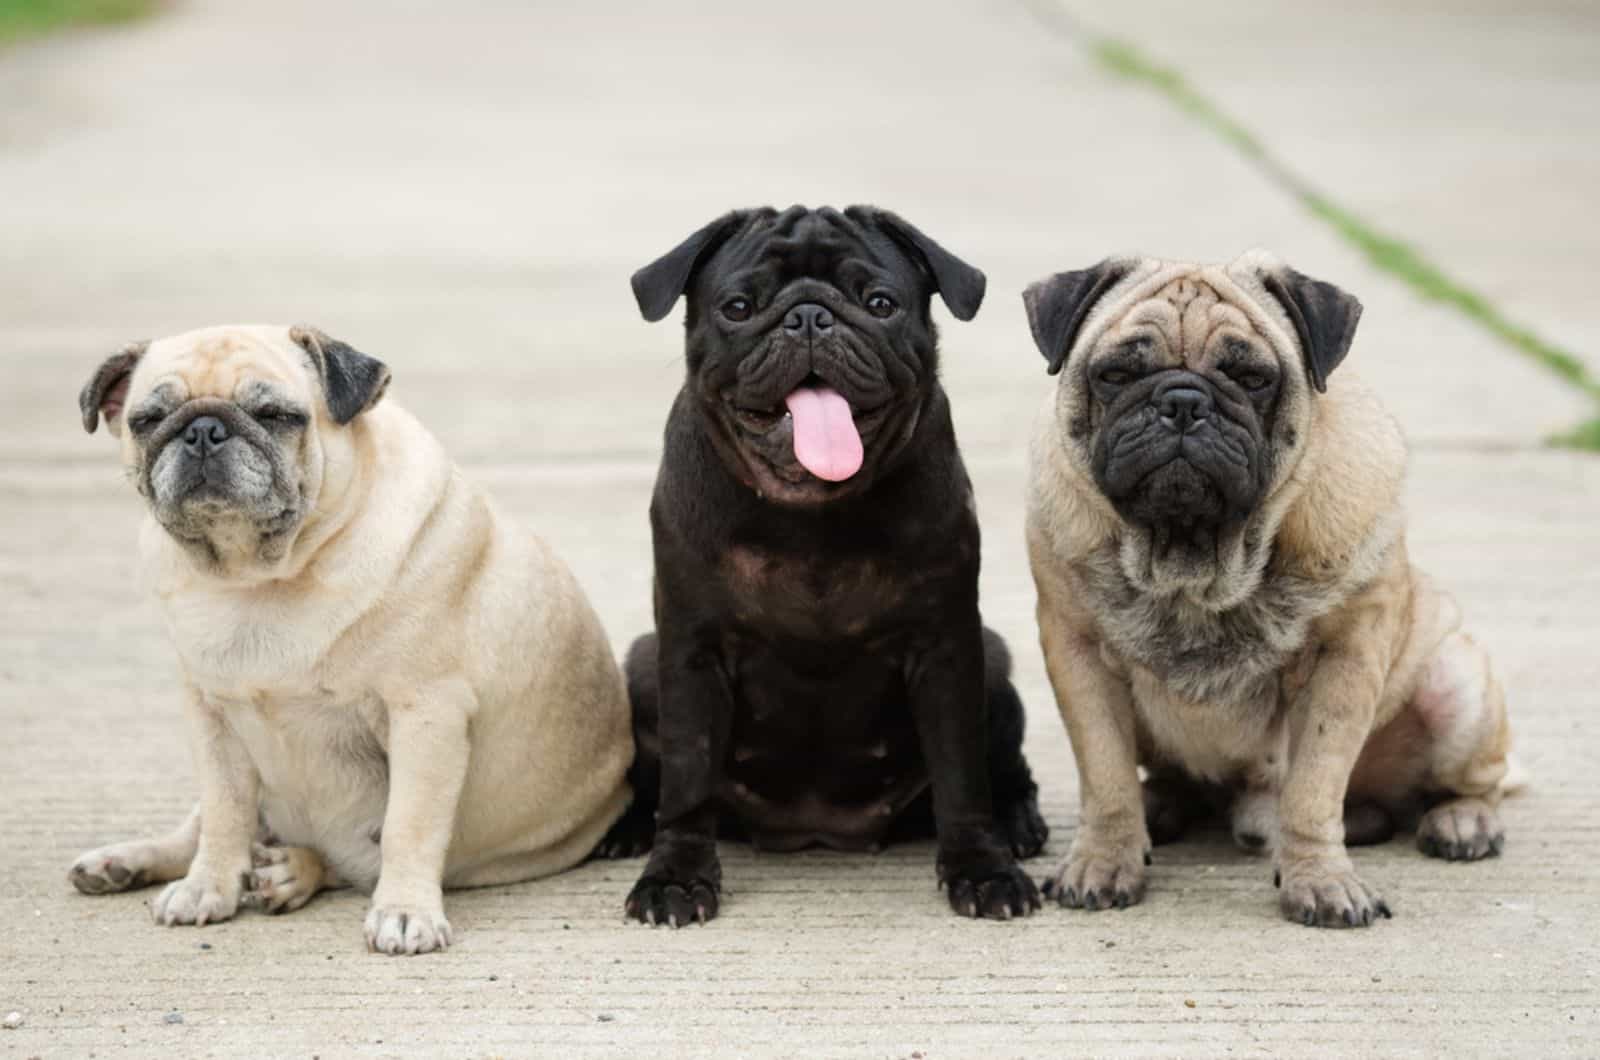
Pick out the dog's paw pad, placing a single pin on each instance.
(1461, 830)
(98, 873)
(263, 854)
(407, 929)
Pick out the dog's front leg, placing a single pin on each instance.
(229, 792)
(980, 875)
(1329, 722)
(682, 881)
(1105, 867)
(429, 748)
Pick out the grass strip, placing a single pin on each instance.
(1385, 252)
(30, 18)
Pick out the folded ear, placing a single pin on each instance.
(106, 392)
(1324, 318)
(352, 382)
(656, 287)
(1058, 305)
(959, 284)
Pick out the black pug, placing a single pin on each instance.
(820, 674)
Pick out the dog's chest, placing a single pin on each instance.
(317, 743)
(243, 646)
(826, 756)
(324, 774)
(1201, 654)
(816, 597)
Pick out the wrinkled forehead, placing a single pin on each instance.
(801, 244)
(1194, 320)
(222, 363)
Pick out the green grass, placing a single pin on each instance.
(1384, 251)
(28, 18)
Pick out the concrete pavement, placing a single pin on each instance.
(464, 193)
(1459, 126)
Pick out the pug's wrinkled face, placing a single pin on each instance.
(221, 432)
(811, 349)
(1187, 396)
(1183, 398)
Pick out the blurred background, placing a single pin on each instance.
(463, 190)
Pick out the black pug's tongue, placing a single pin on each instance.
(825, 438)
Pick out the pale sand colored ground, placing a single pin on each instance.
(465, 197)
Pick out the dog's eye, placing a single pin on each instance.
(881, 306)
(1252, 380)
(276, 417)
(737, 309)
(1116, 376)
(144, 421)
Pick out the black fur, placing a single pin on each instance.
(1057, 306)
(820, 673)
(107, 389)
(352, 382)
(656, 287)
(1324, 318)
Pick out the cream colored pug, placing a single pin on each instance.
(387, 686)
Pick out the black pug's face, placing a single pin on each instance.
(811, 349)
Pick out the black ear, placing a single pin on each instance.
(106, 392)
(656, 287)
(352, 382)
(1058, 305)
(1324, 317)
(959, 284)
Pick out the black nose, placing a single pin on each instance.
(204, 434)
(1182, 407)
(808, 319)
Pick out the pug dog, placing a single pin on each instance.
(819, 674)
(1224, 596)
(387, 686)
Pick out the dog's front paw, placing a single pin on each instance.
(199, 898)
(1461, 830)
(1100, 874)
(681, 884)
(658, 899)
(407, 928)
(1325, 890)
(998, 890)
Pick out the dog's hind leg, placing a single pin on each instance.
(1463, 707)
(1174, 802)
(635, 831)
(138, 862)
(1016, 796)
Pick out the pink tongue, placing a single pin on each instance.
(825, 438)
